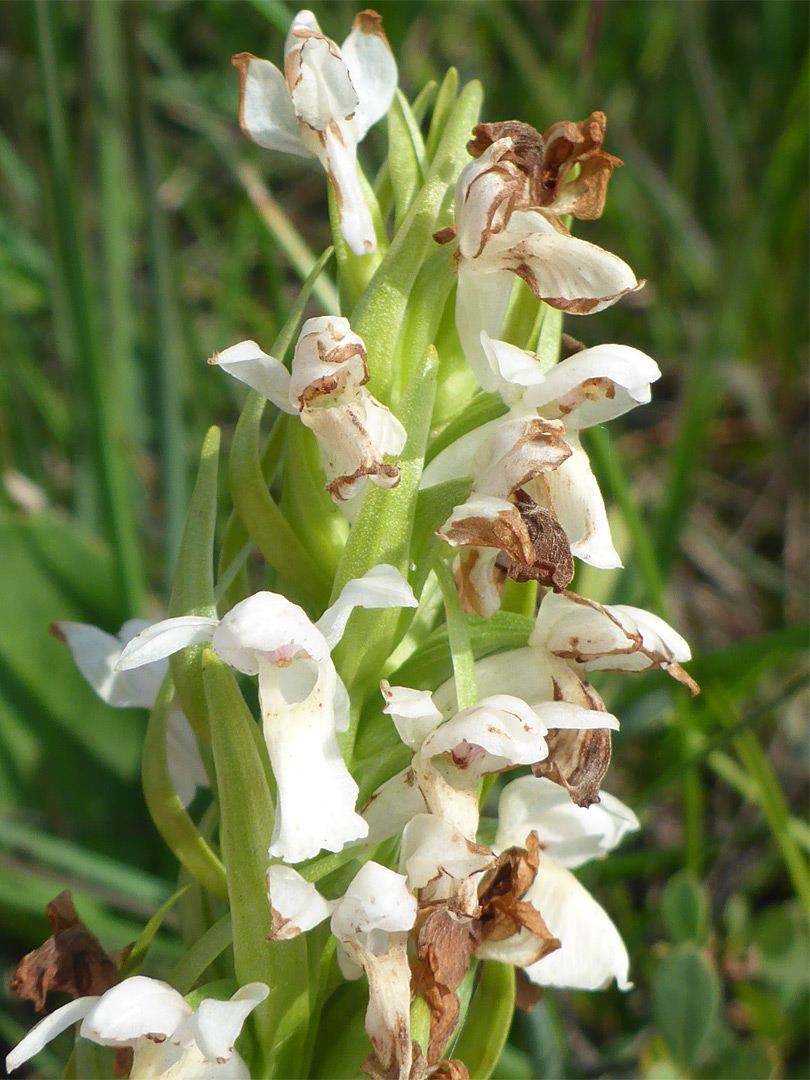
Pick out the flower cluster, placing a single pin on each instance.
(413, 895)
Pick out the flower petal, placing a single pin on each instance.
(162, 639)
(266, 113)
(267, 626)
(382, 586)
(47, 1029)
(216, 1024)
(432, 846)
(591, 951)
(96, 654)
(378, 899)
(261, 372)
(570, 835)
(372, 68)
(136, 1008)
(296, 904)
(393, 805)
(412, 711)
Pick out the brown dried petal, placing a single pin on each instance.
(72, 961)
(444, 947)
(449, 1070)
(568, 144)
(527, 994)
(553, 563)
(527, 153)
(577, 760)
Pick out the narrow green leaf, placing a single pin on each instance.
(459, 638)
(193, 587)
(406, 154)
(246, 812)
(137, 955)
(486, 1027)
(168, 813)
(445, 100)
(202, 954)
(685, 1004)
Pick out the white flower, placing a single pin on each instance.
(497, 242)
(591, 950)
(96, 654)
(296, 904)
(322, 106)
(498, 733)
(167, 1036)
(327, 387)
(303, 702)
(371, 922)
(540, 457)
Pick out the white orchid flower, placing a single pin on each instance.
(498, 733)
(371, 922)
(538, 458)
(322, 106)
(301, 697)
(96, 654)
(168, 1038)
(591, 951)
(327, 388)
(498, 242)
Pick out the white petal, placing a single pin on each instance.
(412, 711)
(484, 194)
(336, 148)
(513, 368)
(295, 901)
(216, 1024)
(329, 362)
(389, 1003)
(455, 461)
(520, 449)
(482, 301)
(592, 952)
(267, 626)
(319, 82)
(595, 385)
(47, 1029)
(185, 764)
(500, 674)
(266, 113)
(382, 586)
(316, 794)
(372, 69)
(164, 638)
(610, 637)
(256, 369)
(505, 728)
(571, 835)
(136, 1008)
(432, 846)
(393, 805)
(577, 501)
(377, 900)
(96, 653)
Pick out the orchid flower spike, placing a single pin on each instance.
(167, 1036)
(96, 654)
(591, 951)
(327, 388)
(303, 702)
(322, 106)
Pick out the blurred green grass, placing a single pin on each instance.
(139, 232)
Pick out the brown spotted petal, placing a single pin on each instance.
(568, 144)
(329, 365)
(72, 961)
(577, 760)
(516, 452)
(614, 637)
(526, 153)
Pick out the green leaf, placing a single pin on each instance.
(458, 633)
(246, 813)
(168, 813)
(685, 1004)
(406, 155)
(137, 955)
(202, 954)
(193, 587)
(445, 100)
(483, 1036)
(683, 909)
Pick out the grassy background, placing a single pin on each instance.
(138, 234)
